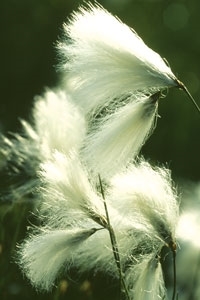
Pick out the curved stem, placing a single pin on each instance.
(184, 88)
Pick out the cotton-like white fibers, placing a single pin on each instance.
(94, 127)
(20, 158)
(58, 122)
(43, 256)
(188, 256)
(118, 137)
(66, 181)
(145, 279)
(104, 59)
(146, 194)
(139, 201)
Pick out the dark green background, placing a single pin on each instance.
(29, 29)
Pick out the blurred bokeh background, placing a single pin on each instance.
(29, 30)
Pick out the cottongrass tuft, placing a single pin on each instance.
(145, 280)
(95, 129)
(20, 158)
(108, 70)
(44, 256)
(57, 124)
(188, 229)
(105, 59)
(146, 195)
(76, 221)
(66, 181)
(117, 139)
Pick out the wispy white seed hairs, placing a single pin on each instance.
(74, 221)
(188, 257)
(105, 150)
(108, 70)
(156, 199)
(67, 181)
(106, 59)
(145, 280)
(81, 155)
(20, 158)
(58, 123)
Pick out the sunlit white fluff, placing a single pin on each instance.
(104, 59)
(70, 199)
(117, 138)
(188, 256)
(58, 122)
(73, 233)
(97, 254)
(145, 279)
(43, 256)
(20, 158)
(188, 227)
(146, 194)
(67, 186)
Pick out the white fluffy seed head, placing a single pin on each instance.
(20, 156)
(58, 122)
(105, 59)
(188, 226)
(118, 138)
(188, 229)
(137, 210)
(147, 195)
(43, 256)
(145, 279)
(66, 182)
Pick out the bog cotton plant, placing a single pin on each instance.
(112, 75)
(102, 208)
(130, 125)
(57, 125)
(142, 208)
(143, 213)
(108, 60)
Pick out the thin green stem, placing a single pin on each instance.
(184, 88)
(114, 243)
(174, 274)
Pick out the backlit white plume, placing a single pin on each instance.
(67, 185)
(105, 59)
(58, 122)
(43, 256)
(91, 129)
(145, 279)
(146, 194)
(117, 138)
(188, 229)
(20, 158)
(74, 227)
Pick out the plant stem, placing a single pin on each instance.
(114, 243)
